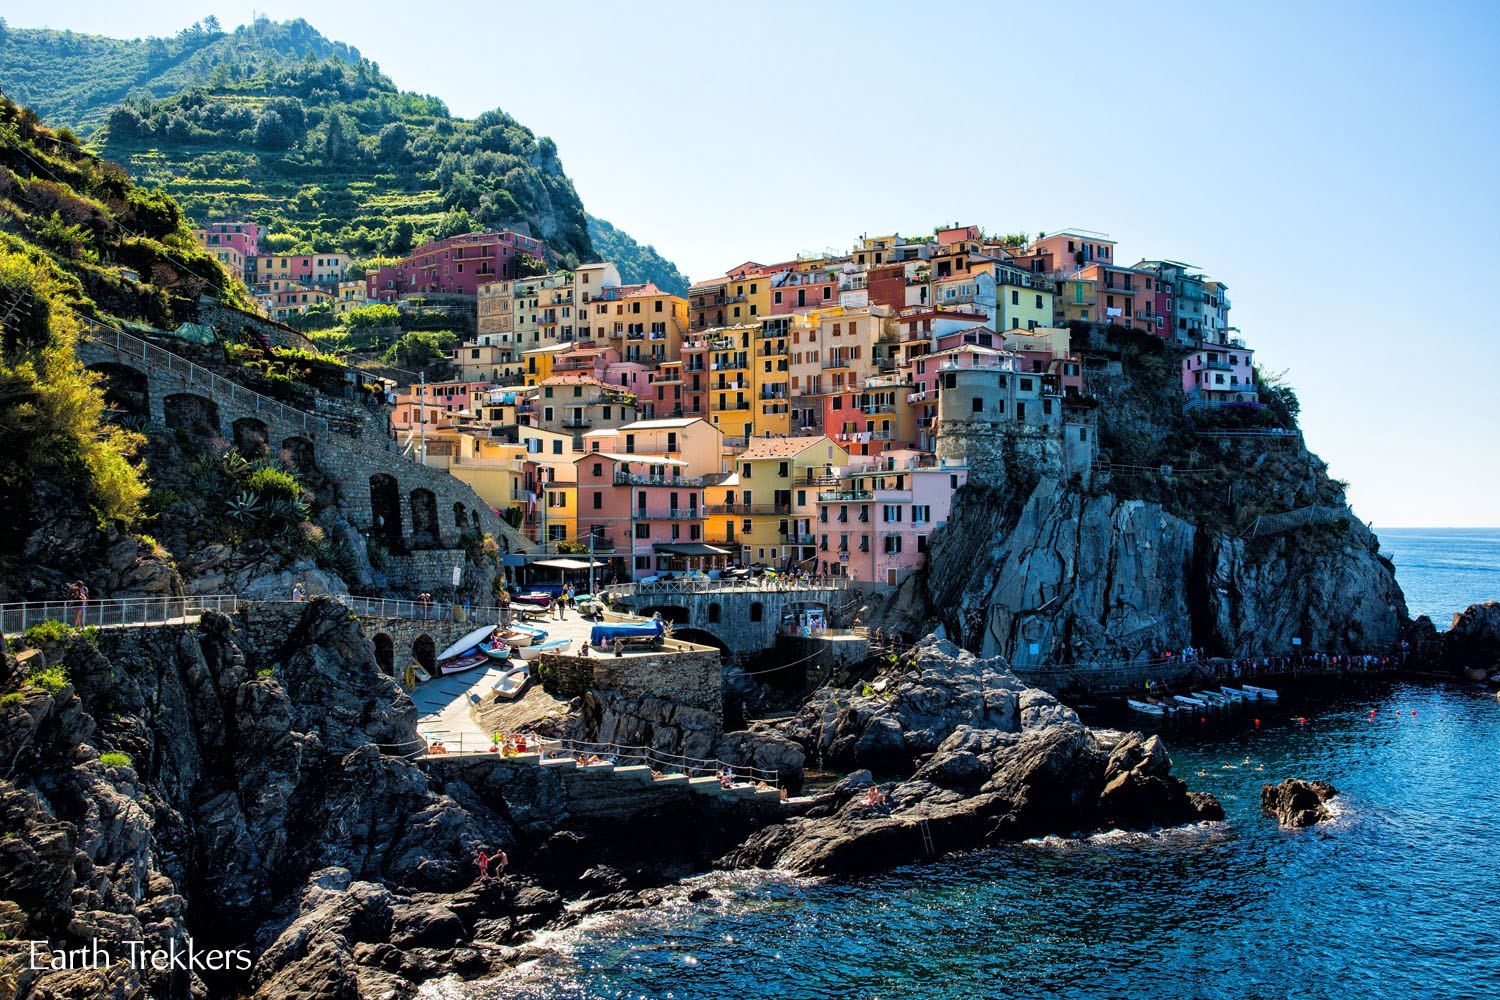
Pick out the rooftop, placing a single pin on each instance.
(781, 447)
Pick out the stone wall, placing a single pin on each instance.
(350, 462)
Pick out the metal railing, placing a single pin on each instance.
(617, 754)
(18, 617)
(704, 585)
(155, 358)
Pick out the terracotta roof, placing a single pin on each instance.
(646, 425)
(786, 447)
(576, 378)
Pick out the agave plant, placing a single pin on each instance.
(236, 466)
(244, 508)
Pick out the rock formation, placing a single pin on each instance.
(1296, 803)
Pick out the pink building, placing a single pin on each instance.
(874, 524)
(242, 236)
(800, 291)
(440, 401)
(1220, 373)
(1065, 252)
(644, 506)
(457, 265)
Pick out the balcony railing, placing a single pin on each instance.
(749, 508)
(835, 496)
(668, 514)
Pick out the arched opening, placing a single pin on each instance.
(424, 651)
(669, 613)
(714, 613)
(424, 518)
(252, 437)
(385, 510)
(126, 391)
(190, 412)
(460, 518)
(385, 654)
(702, 637)
(299, 451)
(757, 611)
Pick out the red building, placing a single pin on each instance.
(887, 285)
(457, 265)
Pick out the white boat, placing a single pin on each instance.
(1264, 694)
(468, 642)
(1183, 699)
(539, 649)
(524, 635)
(1146, 707)
(1234, 694)
(511, 684)
(1213, 698)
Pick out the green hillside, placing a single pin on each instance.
(276, 124)
(636, 262)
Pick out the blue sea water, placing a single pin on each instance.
(1444, 570)
(1399, 896)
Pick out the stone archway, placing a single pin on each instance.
(191, 412)
(424, 518)
(424, 651)
(126, 390)
(252, 437)
(702, 637)
(385, 510)
(385, 654)
(669, 613)
(300, 453)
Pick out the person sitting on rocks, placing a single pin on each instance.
(874, 797)
(438, 746)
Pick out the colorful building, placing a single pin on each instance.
(874, 524)
(457, 265)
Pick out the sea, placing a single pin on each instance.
(1397, 896)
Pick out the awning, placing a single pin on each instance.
(565, 563)
(688, 549)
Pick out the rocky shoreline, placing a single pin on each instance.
(221, 783)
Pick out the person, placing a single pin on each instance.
(505, 617)
(299, 594)
(567, 594)
(483, 861)
(557, 605)
(499, 861)
(80, 592)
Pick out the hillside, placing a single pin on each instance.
(636, 262)
(277, 124)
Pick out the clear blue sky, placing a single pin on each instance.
(1336, 164)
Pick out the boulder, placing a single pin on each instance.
(1296, 803)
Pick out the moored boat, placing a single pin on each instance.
(1234, 694)
(497, 648)
(511, 684)
(1212, 698)
(534, 599)
(1264, 694)
(1183, 699)
(524, 635)
(1145, 706)
(458, 664)
(467, 643)
(538, 649)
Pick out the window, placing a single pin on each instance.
(921, 514)
(598, 500)
(643, 530)
(976, 405)
(598, 468)
(714, 613)
(782, 469)
(891, 513)
(757, 611)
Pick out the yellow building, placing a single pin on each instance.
(1023, 301)
(763, 504)
(770, 378)
(495, 318)
(747, 297)
(1075, 301)
(730, 390)
(642, 322)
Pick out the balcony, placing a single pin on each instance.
(836, 496)
(577, 423)
(838, 362)
(749, 509)
(668, 514)
(878, 408)
(636, 479)
(798, 538)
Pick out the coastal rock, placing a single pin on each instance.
(925, 697)
(1296, 803)
(1473, 640)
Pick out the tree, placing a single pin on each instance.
(156, 53)
(335, 146)
(454, 223)
(392, 143)
(528, 265)
(211, 25)
(399, 237)
(271, 132)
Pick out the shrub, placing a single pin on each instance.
(116, 759)
(7, 700)
(48, 632)
(51, 679)
(273, 484)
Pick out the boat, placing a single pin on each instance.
(468, 642)
(1183, 699)
(1264, 694)
(1211, 698)
(1234, 694)
(497, 648)
(534, 599)
(511, 684)
(1145, 706)
(524, 635)
(1475, 673)
(458, 664)
(537, 649)
(601, 635)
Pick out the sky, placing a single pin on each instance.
(1335, 164)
